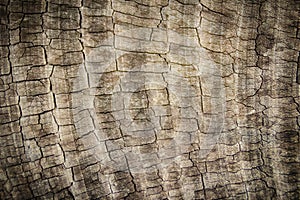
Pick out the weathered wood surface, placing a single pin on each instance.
(160, 99)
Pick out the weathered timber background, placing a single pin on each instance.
(234, 134)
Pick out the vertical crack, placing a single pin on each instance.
(81, 41)
(9, 41)
(161, 15)
(203, 185)
(298, 70)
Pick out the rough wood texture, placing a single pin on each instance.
(159, 99)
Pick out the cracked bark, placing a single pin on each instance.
(49, 149)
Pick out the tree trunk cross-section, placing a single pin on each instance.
(158, 99)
